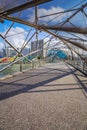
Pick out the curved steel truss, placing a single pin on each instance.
(69, 27)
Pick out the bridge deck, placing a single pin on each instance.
(53, 97)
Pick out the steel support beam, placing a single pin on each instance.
(27, 5)
(45, 30)
(66, 29)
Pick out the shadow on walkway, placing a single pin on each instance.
(27, 83)
(81, 83)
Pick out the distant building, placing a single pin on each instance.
(11, 52)
(2, 53)
(45, 45)
(37, 45)
(26, 51)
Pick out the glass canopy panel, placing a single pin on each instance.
(55, 12)
(9, 4)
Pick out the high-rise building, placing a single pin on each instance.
(2, 53)
(11, 52)
(37, 45)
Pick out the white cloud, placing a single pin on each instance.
(18, 39)
(1, 45)
(15, 37)
(50, 11)
(43, 11)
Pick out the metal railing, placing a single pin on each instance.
(79, 64)
(20, 67)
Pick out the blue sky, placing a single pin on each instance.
(4, 26)
(49, 7)
(65, 4)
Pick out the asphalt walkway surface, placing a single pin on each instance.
(52, 97)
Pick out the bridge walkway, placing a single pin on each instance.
(52, 97)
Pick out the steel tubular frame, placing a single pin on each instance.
(30, 4)
(47, 28)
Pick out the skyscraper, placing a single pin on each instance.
(37, 45)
